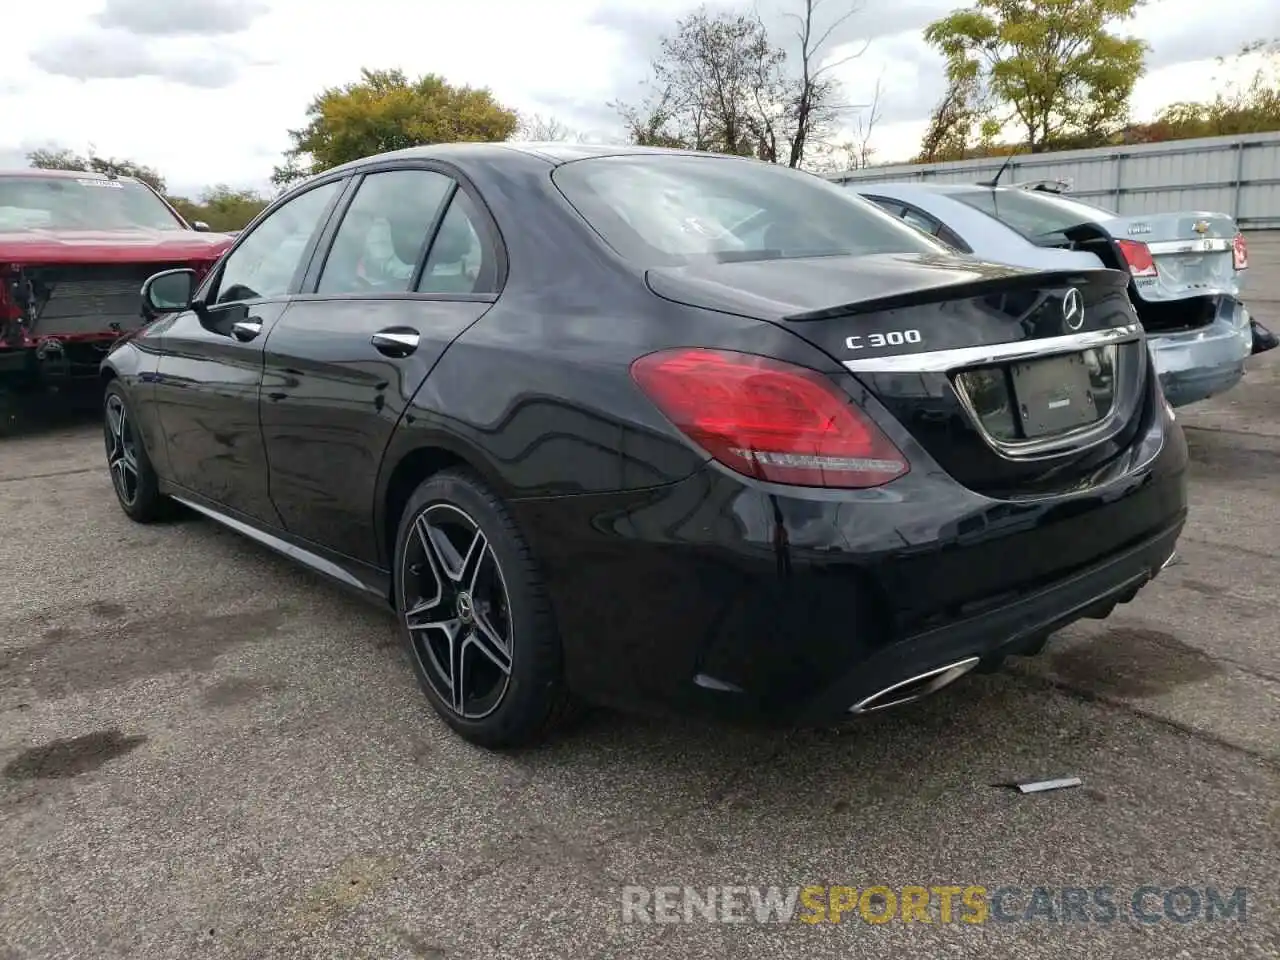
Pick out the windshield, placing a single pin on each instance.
(666, 210)
(70, 203)
(1031, 213)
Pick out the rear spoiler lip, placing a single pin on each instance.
(964, 290)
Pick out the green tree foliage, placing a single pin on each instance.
(385, 110)
(1052, 67)
(1252, 106)
(222, 208)
(64, 159)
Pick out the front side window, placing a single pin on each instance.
(668, 210)
(81, 203)
(268, 258)
(1031, 213)
(384, 232)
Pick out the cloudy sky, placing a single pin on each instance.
(206, 93)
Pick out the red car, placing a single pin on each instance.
(75, 248)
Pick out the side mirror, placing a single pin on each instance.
(199, 226)
(168, 291)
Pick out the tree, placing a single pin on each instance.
(717, 85)
(222, 207)
(66, 159)
(1250, 107)
(1050, 66)
(384, 110)
(538, 129)
(853, 153)
(815, 107)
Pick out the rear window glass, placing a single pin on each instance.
(664, 210)
(1031, 213)
(89, 203)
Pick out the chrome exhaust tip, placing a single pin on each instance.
(915, 688)
(1173, 558)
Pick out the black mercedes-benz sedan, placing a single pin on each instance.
(654, 429)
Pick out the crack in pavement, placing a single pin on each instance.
(1090, 696)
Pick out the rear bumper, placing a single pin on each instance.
(718, 594)
(1197, 364)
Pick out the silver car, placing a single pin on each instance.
(1186, 268)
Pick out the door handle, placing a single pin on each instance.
(395, 343)
(246, 330)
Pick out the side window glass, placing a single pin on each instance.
(920, 221)
(889, 206)
(266, 261)
(461, 261)
(949, 236)
(384, 232)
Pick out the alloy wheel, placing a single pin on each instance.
(457, 610)
(122, 450)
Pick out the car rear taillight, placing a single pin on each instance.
(1240, 252)
(768, 419)
(1138, 256)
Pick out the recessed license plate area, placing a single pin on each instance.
(1053, 395)
(1036, 399)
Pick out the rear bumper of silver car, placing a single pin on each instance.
(1194, 365)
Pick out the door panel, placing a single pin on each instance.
(206, 391)
(210, 372)
(330, 401)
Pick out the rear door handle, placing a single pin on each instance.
(246, 330)
(395, 342)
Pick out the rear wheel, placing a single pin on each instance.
(132, 476)
(475, 615)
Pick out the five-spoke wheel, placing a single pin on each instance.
(132, 476)
(475, 614)
(122, 450)
(456, 608)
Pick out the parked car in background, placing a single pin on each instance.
(654, 429)
(1186, 269)
(75, 248)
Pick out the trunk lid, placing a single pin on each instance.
(1187, 254)
(1017, 382)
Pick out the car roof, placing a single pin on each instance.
(915, 186)
(63, 174)
(554, 153)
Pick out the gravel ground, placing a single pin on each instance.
(205, 751)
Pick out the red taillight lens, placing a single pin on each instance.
(768, 419)
(1138, 256)
(1240, 252)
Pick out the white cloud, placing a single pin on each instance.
(207, 94)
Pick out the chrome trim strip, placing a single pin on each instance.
(942, 361)
(305, 557)
(1207, 245)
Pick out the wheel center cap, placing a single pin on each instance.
(466, 607)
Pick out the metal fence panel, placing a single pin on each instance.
(1237, 175)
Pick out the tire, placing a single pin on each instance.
(468, 592)
(133, 478)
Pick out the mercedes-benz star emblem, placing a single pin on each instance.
(1073, 309)
(466, 609)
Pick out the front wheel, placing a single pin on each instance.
(132, 476)
(475, 615)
